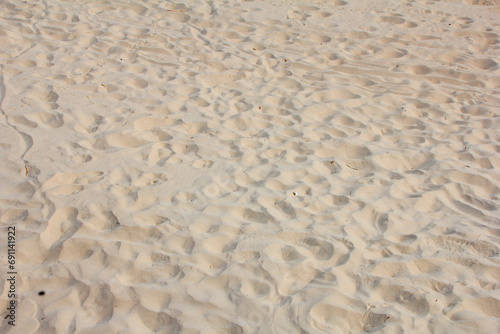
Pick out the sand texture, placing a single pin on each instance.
(251, 166)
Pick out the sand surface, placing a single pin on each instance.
(251, 166)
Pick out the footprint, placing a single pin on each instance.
(290, 254)
(391, 19)
(177, 15)
(150, 219)
(192, 127)
(318, 112)
(184, 148)
(334, 94)
(71, 178)
(321, 250)
(335, 200)
(489, 306)
(325, 167)
(220, 244)
(149, 123)
(230, 35)
(98, 305)
(143, 319)
(336, 318)
(184, 197)
(373, 320)
(292, 279)
(250, 215)
(414, 301)
(57, 33)
(358, 35)
(416, 69)
(22, 121)
(484, 185)
(134, 8)
(483, 64)
(181, 244)
(211, 80)
(22, 63)
(390, 52)
(101, 219)
(124, 140)
(214, 190)
(61, 226)
(138, 83)
(202, 163)
(345, 150)
(46, 119)
(156, 301)
(253, 288)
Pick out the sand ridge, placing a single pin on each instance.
(255, 166)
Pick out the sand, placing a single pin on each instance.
(251, 166)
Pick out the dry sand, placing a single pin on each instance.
(254, 166)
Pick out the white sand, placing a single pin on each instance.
(254, 166)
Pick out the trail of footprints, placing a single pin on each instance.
(263, 118)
